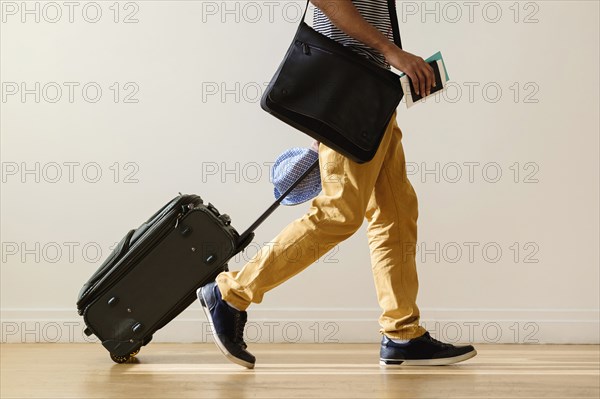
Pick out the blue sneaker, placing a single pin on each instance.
(227, 325)
(422, 351)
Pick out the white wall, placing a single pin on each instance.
(540, 131)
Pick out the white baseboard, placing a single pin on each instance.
(531, 326)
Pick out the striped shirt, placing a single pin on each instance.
(374, 12)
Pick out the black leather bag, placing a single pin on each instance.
(333, 94)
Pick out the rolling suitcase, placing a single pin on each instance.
(153, 273)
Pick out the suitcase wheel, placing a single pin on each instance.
(123, 359)
(119, 359)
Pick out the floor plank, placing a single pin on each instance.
(295, 371)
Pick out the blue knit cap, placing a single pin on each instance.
(288, 167)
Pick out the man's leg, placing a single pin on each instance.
(392, 232)
(334, 216)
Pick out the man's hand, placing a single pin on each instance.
(420, 72)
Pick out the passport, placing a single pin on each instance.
(441, 78)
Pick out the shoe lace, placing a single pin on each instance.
(240, 319)
(440, 343)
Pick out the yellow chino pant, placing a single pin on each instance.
(377, 190)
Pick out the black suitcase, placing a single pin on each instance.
(155, 270)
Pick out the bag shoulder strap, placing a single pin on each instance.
(393, 20)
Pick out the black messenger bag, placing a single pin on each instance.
(333, 94)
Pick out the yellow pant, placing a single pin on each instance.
(378, 191)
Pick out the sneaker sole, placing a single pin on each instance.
(220, 345)
(427, 362)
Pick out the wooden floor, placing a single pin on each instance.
(295, 371)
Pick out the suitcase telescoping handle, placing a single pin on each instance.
(250, 230)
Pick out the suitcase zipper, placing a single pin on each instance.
(184, 210)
